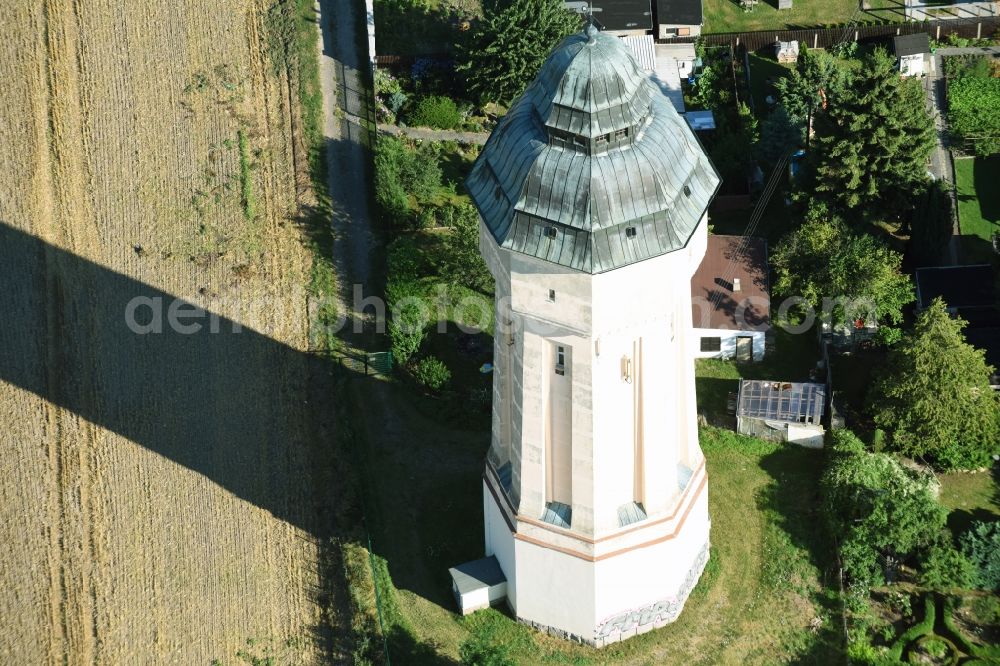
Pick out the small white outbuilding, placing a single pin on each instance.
(478, 584)
(911, 53)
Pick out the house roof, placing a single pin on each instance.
(644, 50)
(625, 15)
(592, 168)
(678, 12)
(915, 44)
(959, 286)
(714, 303)
(787, 402)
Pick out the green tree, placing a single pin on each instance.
(824, 259)
(778, 134)
(877, 508)
(981, 545)
(943, 567)
(934, 396)
(464, 263)
(507, 47)
(873, 139)
(803, 92)
(930, 226)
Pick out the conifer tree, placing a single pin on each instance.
(873, 139)
(935, 398)
(508, 45)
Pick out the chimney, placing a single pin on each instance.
(736, 284)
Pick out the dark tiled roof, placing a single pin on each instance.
(625, 15)
(915, 44)
(678, 12)
(959, 286)
(592, 168)
(714, 304)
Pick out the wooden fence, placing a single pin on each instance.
(812, 37)
(826, 37)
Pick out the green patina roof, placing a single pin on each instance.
(592, 168)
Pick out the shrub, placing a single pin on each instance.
(981, 545)
(935, 647)
(943, 567)
(973, 97)
(435, 111)
(401, 171)
(922, 628)
(432, 373)
(482, 651)
(407, 328)
(878, 507)
(986, 610)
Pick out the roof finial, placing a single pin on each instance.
(591, 26)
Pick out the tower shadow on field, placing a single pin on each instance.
(192, 397)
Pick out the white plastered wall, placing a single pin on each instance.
(604, 319)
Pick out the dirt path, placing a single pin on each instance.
(157, 503)
(428, 134)
(344, 103)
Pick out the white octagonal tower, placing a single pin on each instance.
(592, 194)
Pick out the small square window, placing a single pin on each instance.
(552, 294)
(687, 191)
(550, 232)
(629, 232)
(621, 134)
(603, 139)
(711, 344)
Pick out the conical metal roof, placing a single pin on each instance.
(592, 168)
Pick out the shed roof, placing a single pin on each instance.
(787, 402)
(678, 12)
(959, 286)
(477, 574)
(714, 303)
(915, 44)
(592, 168)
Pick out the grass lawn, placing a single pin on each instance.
(978, 204)
(728, 16)
(969, 497)
(762, 599)
(758, 602)
(763, 69)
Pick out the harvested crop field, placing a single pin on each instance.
(159, 500)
